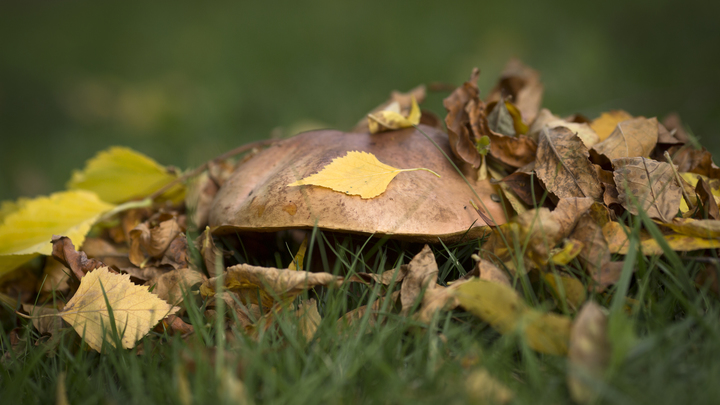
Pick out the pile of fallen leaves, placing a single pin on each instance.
(111, 256)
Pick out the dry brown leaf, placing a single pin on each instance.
(632, 138)
(416, 206)
(421, 275)
(308, 318)
(358, 313)
(44, 319)
(514, 151)
(652, 184)
(607, 122)
(568, 212)
(135, 309)
(171, 285)
(504, 310)
(272, 283)
(522, 85)
(489, 272)
(709, 205)
(466, 115)
(582, 130)
(527, 187)
(563, 166)
(64, 251)
(589, 353)
(55, 276)
(164, 241)
(537, 228)
(698, 161)
(595, 254)
(209, 252)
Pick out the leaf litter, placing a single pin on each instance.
(555, 206)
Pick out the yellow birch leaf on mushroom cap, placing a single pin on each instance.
(135, 309)
(120, 174)
(392, 118)
(357, 173)
(26, 232)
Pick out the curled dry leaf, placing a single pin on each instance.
(632, 138)
(172, 285)
(246, 280)
(165, 242)
(415, 206)
(421, 275)
(514, 151)
(403, 100)
(464, 120)
(64, 252)
(357, 173)
(392, 118)
(589, 353)
(209, 252)
(504, 310)
(604, 125)
(359, 313)
(135, 309)
(698, 161)
(652, 184)
(522, 85)
(709, 205)
(55, 277)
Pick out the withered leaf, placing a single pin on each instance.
(514, 151)
(403, 100)
(526, 186)
(589, 352)
(486, 389)
(536, 231)
(421, 275)
(616, 236)
(698, 161)
(44, 319)
(568, 212)
(563, 166)
(595, 254)
(64, 251)
(522, 85)
(501, 120)
(651, 183)
(153, 242)
(632, 138)
(464, 106)
(171, 285)
(607, 122)
(709, 205)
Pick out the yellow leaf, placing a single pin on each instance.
(568, 288)
(483, 388)
(120, 174)
(504, 310)
(309, 318)
(26, 232)
(616, 237)
(135, 309)
(606, 123)
(299, 256)
(357, 173)
(391, 118)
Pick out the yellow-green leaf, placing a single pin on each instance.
(566, 288)
(135, 309)
(297, 263)
(392, 118)
(121, 174)
(27, 232)
(504, 310)
(357, 173)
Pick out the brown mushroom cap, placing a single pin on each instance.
(416, 206)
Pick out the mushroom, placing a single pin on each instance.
(416, 206)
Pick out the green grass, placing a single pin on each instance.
(667, 346)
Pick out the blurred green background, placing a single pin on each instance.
(184, 82)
